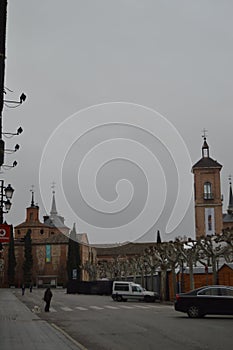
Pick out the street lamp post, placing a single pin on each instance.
(6, 192)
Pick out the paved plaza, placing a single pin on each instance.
(23, 329)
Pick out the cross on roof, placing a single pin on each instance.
(204, 133)
(53, 186)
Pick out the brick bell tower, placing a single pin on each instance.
(207, 194)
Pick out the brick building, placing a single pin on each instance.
(49, 248)
(201, 276)
(50, 237)
(207, 195)
(225, 274)
(53, 224)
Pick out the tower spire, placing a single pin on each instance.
(205, 146)
(230, 205)
(74, 227)
(53, 207)
(32, 200)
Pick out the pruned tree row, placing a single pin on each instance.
(161, 257)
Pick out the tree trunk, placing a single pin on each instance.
(214, 269)
(191, 277)
(163, 276)
(142, 278)
(152, 279)
(174, 282)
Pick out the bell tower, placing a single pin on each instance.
(207, 194)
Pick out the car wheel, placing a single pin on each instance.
(193, 312)
(147, 299)
(119, 298)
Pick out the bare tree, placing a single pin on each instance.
(227, 239)
(173, 256)
(211, 250)
(152, 263)
(189, 255)
(91, 269)
(159, 253)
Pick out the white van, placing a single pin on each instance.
(123, 290)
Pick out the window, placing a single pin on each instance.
(48, 253)
(122, 287)
(227, 292)
(210, 291)
(208, 191)
(136, 289)
(209, 222)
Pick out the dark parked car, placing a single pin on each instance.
(212, 300)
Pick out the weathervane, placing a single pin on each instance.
(204, 133)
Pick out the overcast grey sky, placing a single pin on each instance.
(174, 57)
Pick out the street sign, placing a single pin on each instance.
(5, 231)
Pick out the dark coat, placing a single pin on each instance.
(48, 295)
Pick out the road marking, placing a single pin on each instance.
(96, 307)
(111, 307)
(161, 306)
(81, 308)
(52, 309)
(142, 307)
(66, 308)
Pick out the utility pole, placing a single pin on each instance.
(3, 16)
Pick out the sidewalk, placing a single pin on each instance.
(22, 329)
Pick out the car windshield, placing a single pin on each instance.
(137, 288)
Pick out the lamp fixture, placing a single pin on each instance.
(9, 191)
(6, 166)
(22, 98)
(6, 192)
(17, 147)
(18, 132)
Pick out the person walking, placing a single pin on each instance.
(23, 289)
(47, 298)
